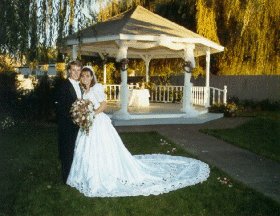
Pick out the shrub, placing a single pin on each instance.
(269, 105)
(217, 108)
(229, 110)
(6, 122)
(8, 90)
(37, 104)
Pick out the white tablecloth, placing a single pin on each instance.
(139, 98)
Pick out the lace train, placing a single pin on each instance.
(163, 173)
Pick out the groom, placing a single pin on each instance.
(68, 92)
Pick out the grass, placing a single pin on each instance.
(30, 183)
(260, 135)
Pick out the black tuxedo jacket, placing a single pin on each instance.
(66, 96)
(67, 130)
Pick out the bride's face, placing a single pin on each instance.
(86, 78)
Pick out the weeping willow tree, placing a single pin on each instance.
(31, 29)
(249, 30)
(115, 7)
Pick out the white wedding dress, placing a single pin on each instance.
(103, 167)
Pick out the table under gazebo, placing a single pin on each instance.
(140, 34)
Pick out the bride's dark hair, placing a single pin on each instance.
(93, 82)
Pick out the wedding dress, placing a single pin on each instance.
(103, 167)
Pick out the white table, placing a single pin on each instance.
(139, 98)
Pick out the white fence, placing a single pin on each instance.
(174, 94)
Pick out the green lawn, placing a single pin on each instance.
(30, 183)
(260, 135)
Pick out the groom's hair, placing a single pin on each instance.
(75, 62)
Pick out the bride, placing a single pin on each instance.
(103, 167)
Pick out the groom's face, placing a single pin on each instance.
(74, 72)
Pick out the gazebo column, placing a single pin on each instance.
(147, 64)
(122, 58)
(147, 59)
(207, 86)
(104, 61)
(74, 52)
(104, 74)
(187, 93)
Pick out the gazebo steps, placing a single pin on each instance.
(154, 108)
(160, 113)
(158, 119)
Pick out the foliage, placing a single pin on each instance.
(112, 76)
(8, 91)
(198, 71)
(217, 108)
(32, 184)
(6, 122)
(244, 107)
(44, 99)
(37, 104)
(229, 110)
(264, 105)
(247, 29)
(206, 20)
(6, 63)
(31, 28)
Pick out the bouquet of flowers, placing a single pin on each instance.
(81, 111)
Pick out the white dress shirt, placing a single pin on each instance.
(76, 87)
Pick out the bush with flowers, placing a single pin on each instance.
(230, 109)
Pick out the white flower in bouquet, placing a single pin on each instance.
(81, 112)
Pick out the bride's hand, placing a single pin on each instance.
(100, 107)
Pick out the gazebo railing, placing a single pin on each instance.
(218, 96)
(174, 94)
(199, 95)
(112, 91)
(166, 94)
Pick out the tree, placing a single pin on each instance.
(248, 30)
(27, 25)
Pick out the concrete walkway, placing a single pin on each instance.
(255, 171)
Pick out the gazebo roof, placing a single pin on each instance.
(142, 27)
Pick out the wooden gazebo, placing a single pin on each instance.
(139, 33)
